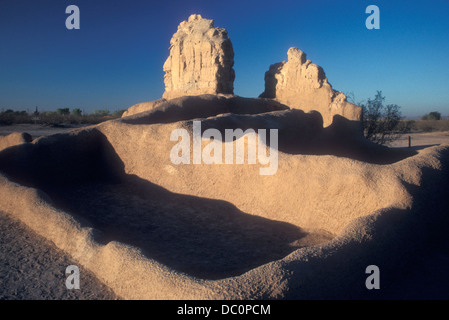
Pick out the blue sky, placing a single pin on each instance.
(115, 60)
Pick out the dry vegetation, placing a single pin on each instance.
(58, 117)
(428, 125)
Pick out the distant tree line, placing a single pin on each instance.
(59, 117)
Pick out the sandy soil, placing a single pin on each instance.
(185, 231)
(418, 139)
(207, 238)
(422, 139)
(37, 130)
(32, 268)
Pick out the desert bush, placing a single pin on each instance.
(63, 111)
(10, 117)
(405, 126)
(431, 125)
(118, 113)
(434, 115)
(94, 119)
(380, 121)
(101, 113)
(53, 118)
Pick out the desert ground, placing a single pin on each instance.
(193, 245)
(418, 139)
(37, 130)
(421, 139)
(34, 269)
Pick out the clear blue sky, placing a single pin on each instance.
(115, 60)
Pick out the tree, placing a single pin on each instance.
(434, 115)
(100, 113)
(380, 121)
(63, 111)
(77, 112)
(118, 113)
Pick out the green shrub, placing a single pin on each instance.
(380, 121)
(118, 113)
(100, 113)
(63, 111)
(434, 115)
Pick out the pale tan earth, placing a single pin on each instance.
(189, 107)
(32, 268)
(201, 60)
(13, 139)
(301, 84)
(141, 107)
(110, 197)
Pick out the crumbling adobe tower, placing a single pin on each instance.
(201, 60)
(301, 84)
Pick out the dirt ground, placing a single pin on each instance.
(37, 130)
(418, 139)
(32, 268)
(422, 139)
(186, 232)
